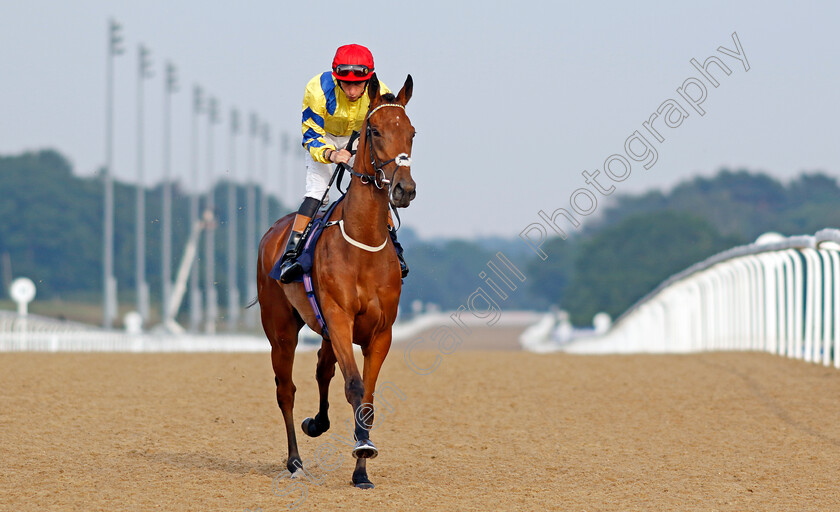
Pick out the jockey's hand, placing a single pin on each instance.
(341, 156)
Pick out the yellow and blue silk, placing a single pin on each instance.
(327, 110)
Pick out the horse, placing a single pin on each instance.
(356, 277)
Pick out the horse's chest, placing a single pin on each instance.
(370, 323)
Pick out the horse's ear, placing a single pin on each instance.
(373, 87)
(405, 93)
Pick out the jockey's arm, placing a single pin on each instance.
(314, 111)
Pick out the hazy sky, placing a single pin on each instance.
(512, 100)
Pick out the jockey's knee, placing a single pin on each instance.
(309, 206)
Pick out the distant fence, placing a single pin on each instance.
(41, 334)
(780, 296)
(13, 323)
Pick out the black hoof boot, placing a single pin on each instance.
(315, 427)
(294, 464)
(360, 479)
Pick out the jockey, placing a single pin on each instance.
(334, 106)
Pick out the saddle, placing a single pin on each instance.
(306, 259)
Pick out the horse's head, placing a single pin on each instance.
(388, 137)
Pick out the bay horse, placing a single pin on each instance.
(358, 287)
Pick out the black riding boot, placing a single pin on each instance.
(291, 269)
(398, 247)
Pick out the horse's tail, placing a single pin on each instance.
(252, 303)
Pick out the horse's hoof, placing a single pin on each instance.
(310, 428)
(364, 449)
(360, 479)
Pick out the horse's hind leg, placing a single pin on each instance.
(323, 374)
(282, 359)
(282, 331)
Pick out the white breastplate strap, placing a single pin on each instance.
(360, 245)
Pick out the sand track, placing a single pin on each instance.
(487, 430)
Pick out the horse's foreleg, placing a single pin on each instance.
(374, 353)
(323, 374)
(354, 390)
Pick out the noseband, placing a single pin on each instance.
(378, 178)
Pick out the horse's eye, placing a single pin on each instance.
(374, 132)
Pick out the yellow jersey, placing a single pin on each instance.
(326, 109)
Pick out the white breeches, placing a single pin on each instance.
(318, 175)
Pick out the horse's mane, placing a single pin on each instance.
(388, 97)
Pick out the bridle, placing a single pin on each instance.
(378, 178)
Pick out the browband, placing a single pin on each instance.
(385, 105)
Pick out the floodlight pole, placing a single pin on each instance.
(170, 88)
(251, 224)
(285, 165)
(109, 282)
(264, 220)
(143, 73)
(232, 281)
(212, 301)
(195, 290)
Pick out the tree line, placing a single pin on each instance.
(52, 228)
(642, 239)
(52, 233)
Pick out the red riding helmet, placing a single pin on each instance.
(352, 63)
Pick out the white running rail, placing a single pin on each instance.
(41, 334)
(781, 297)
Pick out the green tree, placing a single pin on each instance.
(812, 204)
(618, 265)
(49, 224)
(444, 274)
(549, 279)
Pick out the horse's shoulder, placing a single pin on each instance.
(337, 212)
